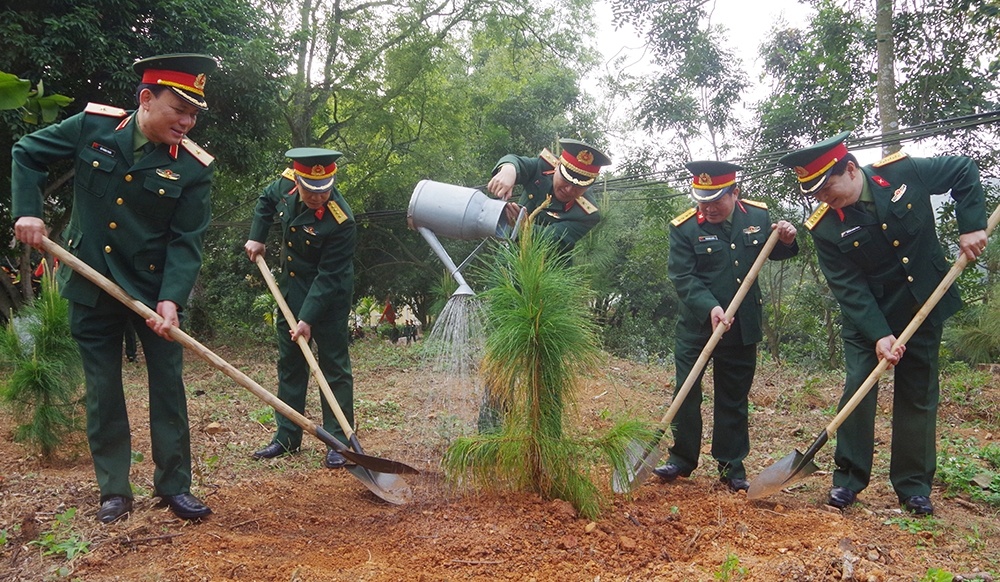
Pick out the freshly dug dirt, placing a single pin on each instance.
(289, 519)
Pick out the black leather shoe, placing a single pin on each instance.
(841, 497)
(736, 484)
(186, 506)
(114, 507)
(271, 451)
(670, 472)
(334, 460)
(918, 505)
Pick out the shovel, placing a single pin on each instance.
(398, 496)
(377, 482)
(642, 459)
(796, 466)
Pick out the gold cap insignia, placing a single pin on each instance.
(801, 172)
(704, 179)
(586, 157)
(317, 170)
(199, 82)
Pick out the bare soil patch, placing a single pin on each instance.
(289, 519)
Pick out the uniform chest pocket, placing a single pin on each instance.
(709, 252)
(156, 199)
(755, 239)
(908, 216)
(856, 240)
(94, 171)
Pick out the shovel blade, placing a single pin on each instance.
(389, 487)
(642, 459)
(624, 483)
(793, 467)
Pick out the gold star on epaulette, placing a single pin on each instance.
(337, 212)
(586, 205)
(683, 217)
(105, 110)
(813, 220)
(198, 152)
(756, 203)
(889, 159)
(549, 158)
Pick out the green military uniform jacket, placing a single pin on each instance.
(707, 267)
(565, 223)
(317, 259)
(882, 268)
(141, 224)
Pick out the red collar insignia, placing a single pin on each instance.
(880, 181)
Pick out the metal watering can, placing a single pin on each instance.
(456, 212)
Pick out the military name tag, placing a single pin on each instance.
(103, 149)
(707, 238)
(168, 174)
(850, 231)
(899, 193)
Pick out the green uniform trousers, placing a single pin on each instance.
(914, 415)
(293, 378)
(99, 331)
(734, 368)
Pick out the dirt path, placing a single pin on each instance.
(289, 519)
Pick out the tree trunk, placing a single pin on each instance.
(886, 86)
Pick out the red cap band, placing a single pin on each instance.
(821, 164)
(185, 81)
(581, 166)
(317, 172)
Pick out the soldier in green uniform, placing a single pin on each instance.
(711, 250)
(317, 280)
(876, 242)
(572, 213)
(141, 204)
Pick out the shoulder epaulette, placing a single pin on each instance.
(548, 157)
(196, 150)
(756, 203)
(288, 174)
(813, 220)
(586, 205)
(889, 159)
(106, 110)
(338, 213)
(683, 216)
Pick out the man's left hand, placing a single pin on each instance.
(168, 314)
(786, 232)
(972, 244)
(303, 330)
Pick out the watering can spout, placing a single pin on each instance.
(455, 212)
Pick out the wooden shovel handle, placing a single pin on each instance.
(706, 352)
(188, 342)
(932, 301)
(324, 386)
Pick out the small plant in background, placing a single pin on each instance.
(915, 525)
(966, 468)
(42, 373)
(730, 570)
(937, 575)
(62, 539)
(539, 339)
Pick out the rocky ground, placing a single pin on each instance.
(289, 519)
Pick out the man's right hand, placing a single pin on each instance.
(501, 184)
(253, 249)
(30, 230)
(719, 316)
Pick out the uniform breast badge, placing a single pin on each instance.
(168, 174)
(899, 193)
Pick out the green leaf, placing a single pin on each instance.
(13, 91)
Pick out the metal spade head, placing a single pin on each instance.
(635, 452)
(391, 488)
(793, 467)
